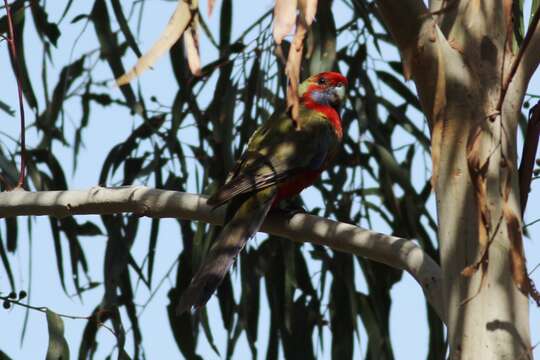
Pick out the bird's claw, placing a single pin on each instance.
(290, 210)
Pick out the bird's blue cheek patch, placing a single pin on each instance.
(321, 97)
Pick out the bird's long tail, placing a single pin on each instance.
(245, 222)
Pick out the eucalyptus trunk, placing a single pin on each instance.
(460, 55)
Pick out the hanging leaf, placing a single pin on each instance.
(43, 26)
(20, 67)
(308, 10)
(5, 262)
(191, 44)
(210, 6)
(292, 69)
(88, 345)
(58, 348)
(109, 47)
(284, 19)
(6, 108)
(11, 233)
(321, 40)
(47, 119)
(178, 23)
(124, 26)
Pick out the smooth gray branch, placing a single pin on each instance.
(411, 26)
(531, 53)
(394, 251)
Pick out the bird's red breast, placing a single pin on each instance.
(296, 184)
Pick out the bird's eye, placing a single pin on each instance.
(321, 81)
(339, 85)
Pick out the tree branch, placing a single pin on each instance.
(403, 18)
(531, 51)
(528, 42)
(396, 252)
(411, 25)
(528, 155)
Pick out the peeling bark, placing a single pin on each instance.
(471, 93)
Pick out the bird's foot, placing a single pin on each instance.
(290, 210)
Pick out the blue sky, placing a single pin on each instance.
(109, 126)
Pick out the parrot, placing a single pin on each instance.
(283, 156)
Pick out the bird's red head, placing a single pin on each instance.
(326, 88)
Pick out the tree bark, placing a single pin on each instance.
(458, 56)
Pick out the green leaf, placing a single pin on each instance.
(321, 40)
(128, 302)
(77, 258)
(342, 317)
(20, 67)
(154, 231)
(66, 9)
(88, 345)
(120, 333)
(109, 46)
(120, 152)
(132, 167)
(534, 8)
(208, 331)
(88, 228)
(47, 119)
(138, 270)
(517, 21)
(184, 327)
(5, 262)
(400, 88)
(55, 230)
(4, 356)
(121, 235)
(11, 232)
(6, 108)
(249, 302)
(58, 348)
(122, 21)
(43, 26)
(398, 174)
(79, 17)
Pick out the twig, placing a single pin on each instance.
(517, 60)
(531, 223)
(44, 309)
(13, 51)
(530, 147)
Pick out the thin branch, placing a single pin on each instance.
(531, 56)
(13, 51)
(44, 310)
(531, 31)
(396, 252)
(528, 156)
